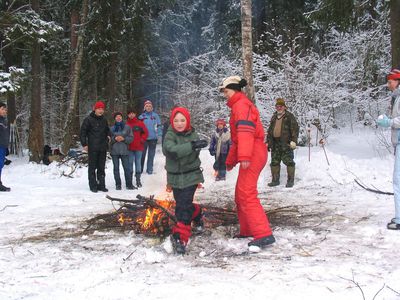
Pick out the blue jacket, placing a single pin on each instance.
(153, 124)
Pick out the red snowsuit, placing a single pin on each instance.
(248, 144)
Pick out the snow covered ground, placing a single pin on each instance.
(334, 246)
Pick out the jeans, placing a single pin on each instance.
(127, 170)
(135, 157)
(151, 146)
(396, 184)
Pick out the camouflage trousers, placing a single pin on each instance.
(282, 153)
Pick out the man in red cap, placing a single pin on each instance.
(95, 135)
(393, 83)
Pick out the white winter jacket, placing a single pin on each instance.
(395, 124)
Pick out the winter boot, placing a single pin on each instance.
(101, 186)
(276, 173)
(138, 182)
(290, 176)
(262, 242)
(393, 226)
(118, 187)
(4, 188)
(178, 246)
(197, 221)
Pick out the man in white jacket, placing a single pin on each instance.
(393, 82)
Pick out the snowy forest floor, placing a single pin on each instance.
(334, 244)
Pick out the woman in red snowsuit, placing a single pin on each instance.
(249, 149)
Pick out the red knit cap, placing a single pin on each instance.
(147, 102)
(394, 75)
(221, 121)
(99, 104)
(184, 112)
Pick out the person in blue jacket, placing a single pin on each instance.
(153, 125)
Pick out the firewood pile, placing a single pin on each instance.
(153, 217)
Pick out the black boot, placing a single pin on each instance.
(178, 246)
(4, 188)
(102, 184)
(129, 184)
(138, 182)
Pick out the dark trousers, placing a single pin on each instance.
(184, 203)
(127, 170)
(220, 165)
(96, 170)
(151, 146)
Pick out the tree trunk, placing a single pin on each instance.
(72, 112)
(11, 107)
(247, 46)
(35, 139)
(395, 32)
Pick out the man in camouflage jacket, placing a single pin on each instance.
(282, 138)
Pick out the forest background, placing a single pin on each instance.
(327, 58)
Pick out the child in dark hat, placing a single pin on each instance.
(219, 147)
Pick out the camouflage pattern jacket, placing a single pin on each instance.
(289, 132)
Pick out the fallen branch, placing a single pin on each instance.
(4, 208)
(377, 191)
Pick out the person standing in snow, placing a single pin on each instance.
(121, 137)
(283, 133)
(249, 150)
(393, 122)
(182, 148)
(4, 141)
(219, 147)
(94, 136)
(140, 134)
(154, 127)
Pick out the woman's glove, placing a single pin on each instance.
(292, 145)
(384, 121)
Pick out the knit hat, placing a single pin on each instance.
(220, 121)
(233, 82)
(280, 102)
(99, 104)
(394, 74)
(184, 112)
(147, 102)
(117, 113)
(131, 110)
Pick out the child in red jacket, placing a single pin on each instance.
(140, 134)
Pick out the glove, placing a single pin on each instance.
(384, 121)
(212, 153)
(199, 144)
(292, 145)
(229, 167)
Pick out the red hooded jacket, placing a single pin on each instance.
(246, 129)
(140, 134)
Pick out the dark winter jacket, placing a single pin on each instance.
(220, 142)
(182, 162)
(95, 133)
(121, 148)
(140, 134)
(4, 133)
(289, 132)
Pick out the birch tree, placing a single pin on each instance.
(75, 76)
(247, 46)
